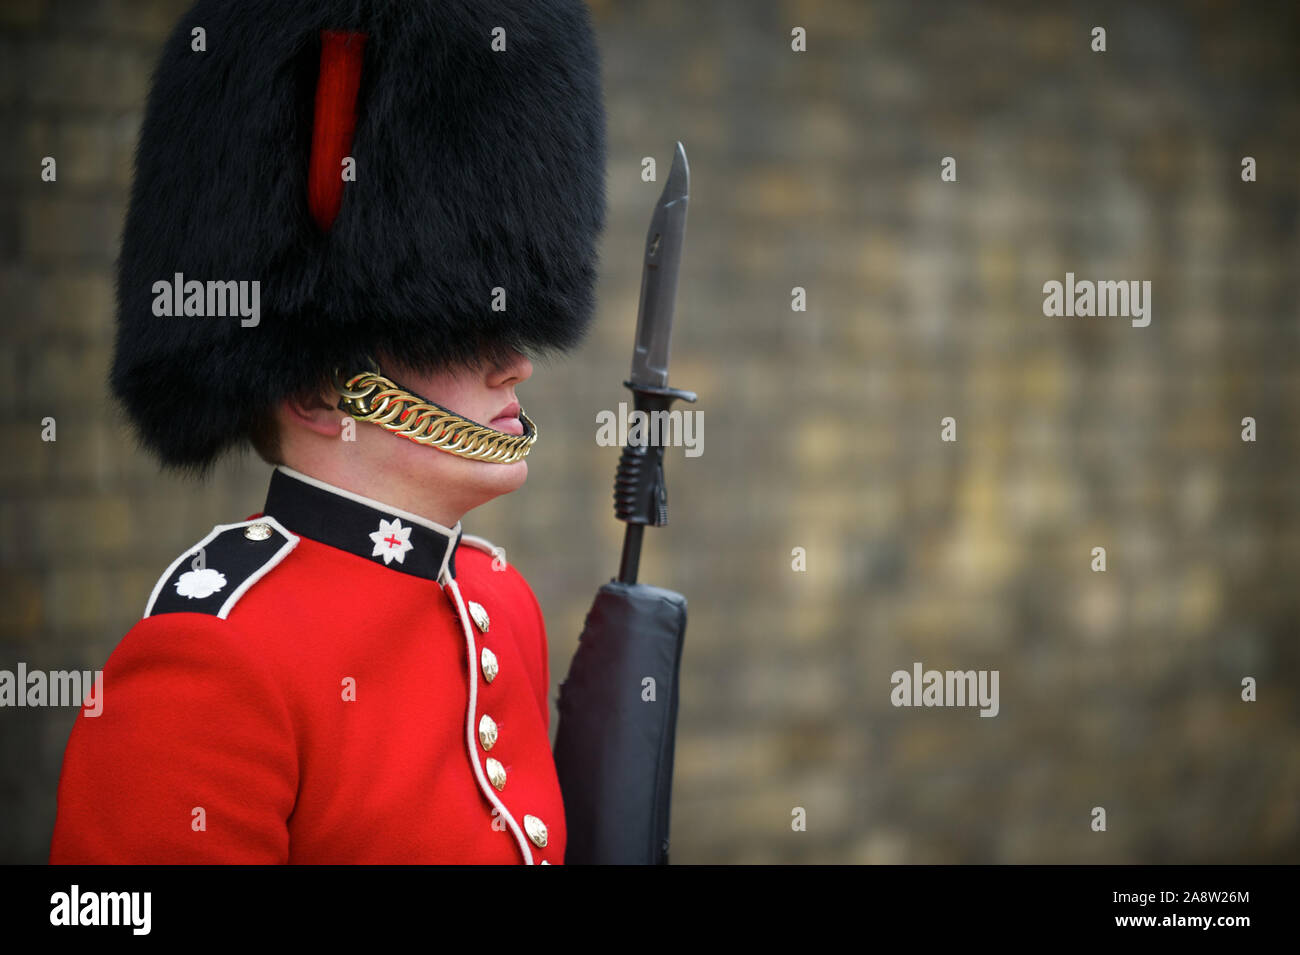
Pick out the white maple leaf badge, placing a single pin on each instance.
(392, 541)
(200, 583)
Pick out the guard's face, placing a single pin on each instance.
(485, 395)
(376, 463)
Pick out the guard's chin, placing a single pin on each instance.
(498, 479)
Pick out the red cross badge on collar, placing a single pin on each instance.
(392, 541)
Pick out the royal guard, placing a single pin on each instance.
(351, 226)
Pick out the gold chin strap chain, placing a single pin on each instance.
(371, 397)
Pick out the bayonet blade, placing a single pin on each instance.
(663, 257)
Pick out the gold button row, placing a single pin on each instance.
(487, 730)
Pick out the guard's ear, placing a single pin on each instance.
(314, 410)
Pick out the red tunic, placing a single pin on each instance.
(331, 712)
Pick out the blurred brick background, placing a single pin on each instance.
(819, 170)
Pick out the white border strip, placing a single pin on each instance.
(242, 589)
(266, 568)
(482, 543)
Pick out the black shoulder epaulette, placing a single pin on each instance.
(212, 575)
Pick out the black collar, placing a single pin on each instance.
(396, 539)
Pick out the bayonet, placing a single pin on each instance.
(663, 259)
(640, 494)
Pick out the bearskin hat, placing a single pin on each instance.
(420, 179)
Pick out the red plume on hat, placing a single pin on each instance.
(341, 55)
(378, 169)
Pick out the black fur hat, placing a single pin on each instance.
(475, 169)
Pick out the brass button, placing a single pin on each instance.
(536, 830)
(496, 774)
(479, 614)
(488, 659)
(487, 731)
(258, 532)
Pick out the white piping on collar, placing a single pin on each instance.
(450, 533)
